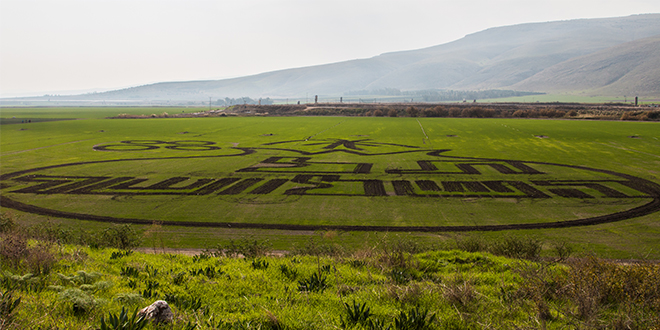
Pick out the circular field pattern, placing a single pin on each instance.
(340, 184)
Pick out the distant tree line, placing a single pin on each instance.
(460, 110)
(242, 100)
(434, 95)
(439, 111)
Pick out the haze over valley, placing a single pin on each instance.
(594, 57)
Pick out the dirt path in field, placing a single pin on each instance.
(54, 145)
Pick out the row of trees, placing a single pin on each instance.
(471, 112)
(242, 100)
(456, 111)
(435, 95)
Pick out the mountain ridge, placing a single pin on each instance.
(522, 56)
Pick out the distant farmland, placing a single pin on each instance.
(228, 176)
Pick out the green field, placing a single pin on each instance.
(283, 178)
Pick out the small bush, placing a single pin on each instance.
(187, 303)
(129, 271)
(517, 247)
(7, 306)
(414, 319)
(201, 256)
(459, 291)
(259, 264)
(151, 270)
(120, 254)
(52, 232)
(81, 301)
(121, 236)
(7, 222)
(315, 283)
(412, 111)
(209, 272)
(316, 247)
(27, 282)
(123, 322)
(40, 259)
(594, 284)
(290, 272)
(563, 250)
(14, 248)
(356, 263)
(472, 244)
(247, 247)
(401, 275)
(179, 278)
(129, 298)
(356, 313)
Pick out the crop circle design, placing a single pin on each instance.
(309, 172)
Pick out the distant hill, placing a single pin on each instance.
(609, 56)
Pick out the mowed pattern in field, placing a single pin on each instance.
(332, 171)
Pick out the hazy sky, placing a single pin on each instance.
(49, 46)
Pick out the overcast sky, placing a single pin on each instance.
(52, 46)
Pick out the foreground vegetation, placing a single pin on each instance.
(394, 284)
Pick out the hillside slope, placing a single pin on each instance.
(631, 68)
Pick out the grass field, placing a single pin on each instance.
(283, 178)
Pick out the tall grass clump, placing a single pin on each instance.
(507, 245)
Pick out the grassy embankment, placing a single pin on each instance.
(396, 283)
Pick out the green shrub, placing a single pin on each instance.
(129, 298)
(179, 278)
(563, 250)
(7, 222)
(247, 247)
(81, 301)
(356, 313)
(7, 306)
(27, 282)
(121, 236)
(200, 257)
(259, 264)
(472, 244)
(14, 248)
(120, 254)
(315, 247)
(400, 275)
(123, 322)
(517, 247)
(315, 283)
(290, 272)
(40, 259)
(414, 319)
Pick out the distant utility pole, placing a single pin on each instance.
(209, 103)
